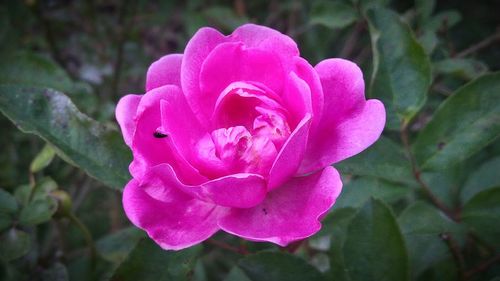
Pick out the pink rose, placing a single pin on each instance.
(238, 133)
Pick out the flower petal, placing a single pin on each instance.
(241, 190)
(349, 123)
(289, 213)
(165, 71)
(233, 62)
(307, 73)
(176, 223)
(297, 99)
(197, 49)
(289, 158)
(257, 36)
(149, 150)
(125, 113)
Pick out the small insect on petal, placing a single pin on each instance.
(159, 135)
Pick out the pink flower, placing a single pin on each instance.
(238, 133)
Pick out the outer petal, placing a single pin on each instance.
(349, 123)
(297, 99)
(289, 213)
(238, 190)
(150, 151)
(257, 36)
(233, 62)
(165, 71)
(197, 49)
(289, 158)
(176, 223)
(307, 73)
(125, 112)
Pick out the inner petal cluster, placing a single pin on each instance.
(248, 128)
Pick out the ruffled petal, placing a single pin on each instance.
(241, 190)
(289, 158)
(150, 150)
(234, 62)
(176, 223)
(125, 113)
(165, 71)
(289, 213)
(197, 49)
(349, 123)
(257, 36)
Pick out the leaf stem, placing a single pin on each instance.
(482, 266)
(417, 174)
(225, 246)
(457, 255)
(88, 238)
(480, 45)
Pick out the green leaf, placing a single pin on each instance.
(401, 69)
(463, 124)
(424, 9)
(449, 18)
(236, 274)
(466, 69)
(5, 221)
(95, 148)
(38, 211)
(8, 204)
(274, 266)
(14, 244)
(42, 159)
(385, 159)
(43, 188)
(421, 225)
(374, 248)
(359, 190)
(116, 247)
(150, 262)
(333, 14)
(485, 177)
(34, 70)
(482, 213)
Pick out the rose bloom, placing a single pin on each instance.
(238, 134)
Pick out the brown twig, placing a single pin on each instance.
(225, 246)
(417, 174)
(482, 266)
(481, 45)
(457, 254)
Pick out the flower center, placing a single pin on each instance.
(249, 128)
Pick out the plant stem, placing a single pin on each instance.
(417, 174)
(457, 255)
(225, 246)
(482, 266)
(88, 238)
(481, 45)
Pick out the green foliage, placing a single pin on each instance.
(422, 203)
(96, 148)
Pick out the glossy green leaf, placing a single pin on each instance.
(422, 225)
(95, 148)
(273, 266)
(42, 159)
(485, 177)
(401, 69)
(482, 213)
(333, 14)
(466, 69)
(29, 69)
(116, 246)
(359, 190)
(8, 202)
(385, 159)
(463, 124)
(38, 211)
(5, 221)
(150, 262)
(14, 244)
(374, 248)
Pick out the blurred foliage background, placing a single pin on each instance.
(422, 204)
